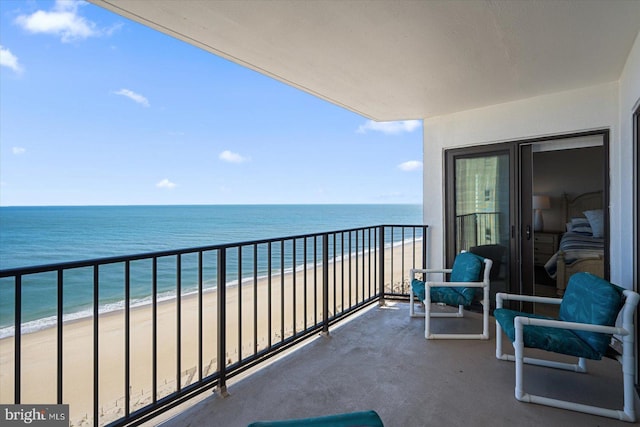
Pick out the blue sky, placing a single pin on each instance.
(99, 110)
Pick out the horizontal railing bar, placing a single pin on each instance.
(170, 401)
(159, 254)
(396, 296)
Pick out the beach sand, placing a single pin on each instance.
(39, 349)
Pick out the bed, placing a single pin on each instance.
(581, 248)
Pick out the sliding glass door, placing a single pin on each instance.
(489, 210)
(480, 208)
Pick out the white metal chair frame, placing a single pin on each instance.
(627, 359)
(428, 314)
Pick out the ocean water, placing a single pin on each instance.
(31, 236)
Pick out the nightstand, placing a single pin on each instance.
(545, 244)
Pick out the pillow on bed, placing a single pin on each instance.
(581, 225)
(596, 221)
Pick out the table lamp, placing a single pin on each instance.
(539, 203)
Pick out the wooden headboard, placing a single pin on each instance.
(574, 207)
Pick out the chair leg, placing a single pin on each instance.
(518, 346)
(485, 313)
(499, 354)
(458, 314)
(412, 308)
(629, 373)
(427, 313)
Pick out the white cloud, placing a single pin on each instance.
(133, 96)
(8, 59)
(63, 21)
(411, 165)
(231, 157)
(18, 150)
(165, 183)
(390, 128)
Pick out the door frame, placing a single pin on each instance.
(517, 218)
(636, 221)
(636, 204)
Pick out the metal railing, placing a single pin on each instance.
(168, 325)
(478, 228)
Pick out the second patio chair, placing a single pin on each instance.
(588, 313)
(469, 277)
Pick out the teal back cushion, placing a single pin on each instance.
(591, 299)
(467, 267)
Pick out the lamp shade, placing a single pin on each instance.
(541, 202)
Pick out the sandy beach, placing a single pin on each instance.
(39, 349)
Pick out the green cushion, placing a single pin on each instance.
(417, 286)
(446, 295)
(452, 296)
(591, 299)
(467, 267)
(353, 419)
(557, 340)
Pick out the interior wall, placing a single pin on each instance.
(575, 171)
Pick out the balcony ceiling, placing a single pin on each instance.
(393, 60)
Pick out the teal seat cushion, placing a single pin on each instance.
(353, 419)
(417, 287)
(591, 299)
(454, 295)
(556, 340)
(467, 267)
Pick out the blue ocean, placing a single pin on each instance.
(31, 236)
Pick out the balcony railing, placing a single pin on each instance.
(478, 228)
(130, 337)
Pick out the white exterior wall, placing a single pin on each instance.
(559, 113)
(623, 264)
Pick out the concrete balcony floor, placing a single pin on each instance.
(380, 360)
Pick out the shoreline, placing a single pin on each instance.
(245, 334)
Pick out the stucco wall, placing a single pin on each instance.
(607, 106)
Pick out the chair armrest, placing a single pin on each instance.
(501, 296)
(413, 271)
(431, 284)
(521, 321)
